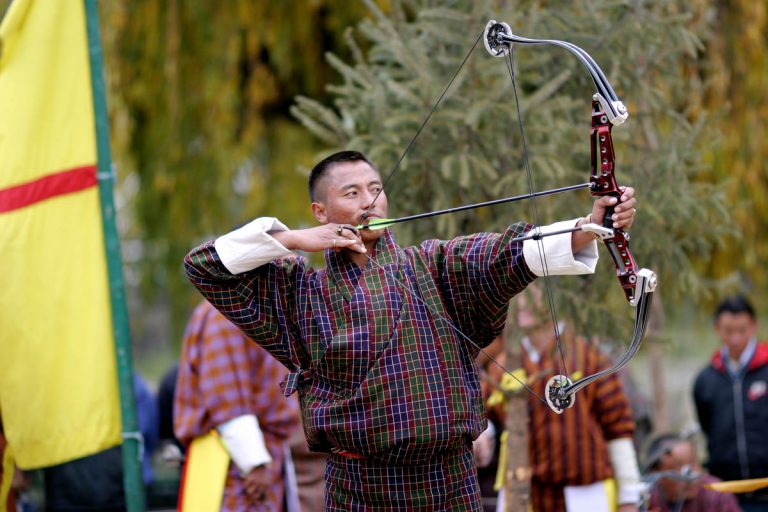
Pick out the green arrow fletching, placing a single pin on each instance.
(374, 224)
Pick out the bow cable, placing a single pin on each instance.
(404, 285)
(423, 124)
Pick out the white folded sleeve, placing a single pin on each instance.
(556, 257)
(251, 246)
(244, 441)
(624, 462)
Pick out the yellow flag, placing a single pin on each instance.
(58, 385)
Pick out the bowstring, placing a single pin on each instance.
(423, 124)
(510, 61)
(402, 284)
(452, 325)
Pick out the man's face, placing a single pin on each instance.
(346, 192)
(735, 330)
(681, 458)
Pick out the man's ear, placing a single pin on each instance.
(318, 210)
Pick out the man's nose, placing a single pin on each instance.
(367, 198)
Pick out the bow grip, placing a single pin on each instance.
(607, 218)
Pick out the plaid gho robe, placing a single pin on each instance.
(382, 374)
(223, 375)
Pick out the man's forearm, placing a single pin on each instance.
(554, 255)
(286, 238)
(580, 239)
(252, 245)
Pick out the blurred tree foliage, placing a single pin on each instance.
(471, 149)
(737, 68)
(199, 93)
(199, 98)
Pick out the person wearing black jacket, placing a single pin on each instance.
(731, 397)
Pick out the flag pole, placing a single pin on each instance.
(132, 446)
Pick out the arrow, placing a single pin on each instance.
(374, 224)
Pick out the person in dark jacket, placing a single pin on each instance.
(731, 396)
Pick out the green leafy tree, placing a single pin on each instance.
(471, 148)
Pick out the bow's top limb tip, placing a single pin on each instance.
(492, 38)
(498, 38)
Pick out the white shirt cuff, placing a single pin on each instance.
(624, 462)
(251, 246)
(245, 443)
(558, 258)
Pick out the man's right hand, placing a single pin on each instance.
(319, 238)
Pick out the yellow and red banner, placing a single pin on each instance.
(58, 384)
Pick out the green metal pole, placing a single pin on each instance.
(132, 447)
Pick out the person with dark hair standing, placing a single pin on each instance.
(585, 457)
(731, 397)
(387, 385)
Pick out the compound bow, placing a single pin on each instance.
(638, 284)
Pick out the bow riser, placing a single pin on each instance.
(603, 180)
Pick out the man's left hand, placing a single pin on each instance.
(628, 508)
(623, 212)
(623, 215)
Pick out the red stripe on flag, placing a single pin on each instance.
(52, 185)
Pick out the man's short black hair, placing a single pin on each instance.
(736, 305)
(328, 162)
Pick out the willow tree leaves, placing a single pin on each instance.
(199, 95)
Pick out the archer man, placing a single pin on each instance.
(381, 343)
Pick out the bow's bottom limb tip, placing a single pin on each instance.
(557, 395)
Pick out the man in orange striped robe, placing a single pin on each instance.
(589, 446)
